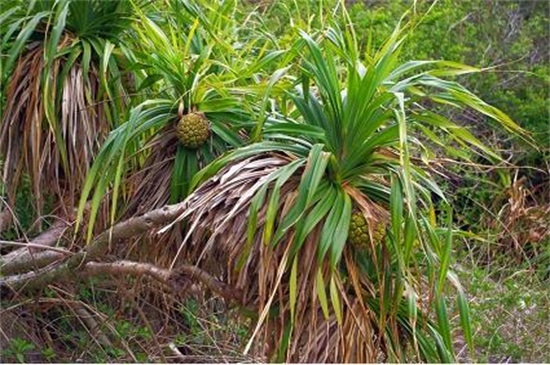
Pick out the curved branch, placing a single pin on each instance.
(98, 247)
(32, 256)
(178, 279)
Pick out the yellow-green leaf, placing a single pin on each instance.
(321, 293)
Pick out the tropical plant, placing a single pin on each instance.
(61, 71)
(302, 167)
(277, 212)
(204, 71)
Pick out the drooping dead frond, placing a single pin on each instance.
(150, 185)
(63, 93)
(55, 156)
(150, 189)
(285, 286)
(83, 123)
(22, 134)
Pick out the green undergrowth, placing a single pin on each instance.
(103, 321)
(510, 318)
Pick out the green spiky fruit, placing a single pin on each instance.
(193, 130)
(358, 234)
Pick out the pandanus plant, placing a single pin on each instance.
(326, 223)
(63, 84)
(201, 75)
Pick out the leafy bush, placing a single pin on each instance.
(511, 35)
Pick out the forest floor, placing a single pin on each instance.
(510, 316)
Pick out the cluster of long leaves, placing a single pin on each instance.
(190, 59)
(302, 138)
(61, 75)
(350, 144)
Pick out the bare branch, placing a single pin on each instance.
(124, 267)
(99, 246)
(92, 325)
(178, 279)
(31, 245)
(33, 256)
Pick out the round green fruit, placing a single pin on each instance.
(193, 130)
(358, 234)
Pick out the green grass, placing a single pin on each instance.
(510, 317)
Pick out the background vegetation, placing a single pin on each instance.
(235, 62)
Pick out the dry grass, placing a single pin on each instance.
(113, 320)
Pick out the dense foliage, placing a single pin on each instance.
(334, 168)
